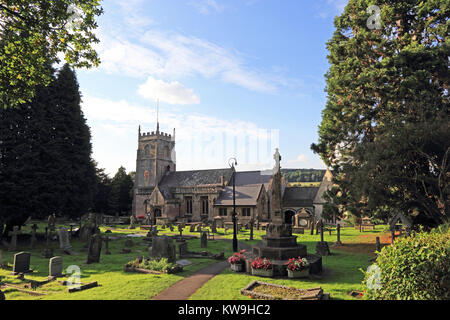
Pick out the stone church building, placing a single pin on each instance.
(201, 195)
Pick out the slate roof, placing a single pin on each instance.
(192, 178)
(246, 178)
(245, 195)
(299, 196)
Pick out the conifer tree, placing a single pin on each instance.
(385, 125)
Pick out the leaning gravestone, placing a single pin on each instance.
(64, 242)
(55, 267)
(163, 247)
(94, 249)
(204, 240)
(22, 263)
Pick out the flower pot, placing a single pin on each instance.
(237, 267)
(298, 274)
(262, 272)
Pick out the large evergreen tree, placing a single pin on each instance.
(45, 154)
(121, 197)
(385, 126)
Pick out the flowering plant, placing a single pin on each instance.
(237, 257)
(262, 263)
(297, 264)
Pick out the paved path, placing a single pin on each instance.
(185, 288)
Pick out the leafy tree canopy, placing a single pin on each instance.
(34, 33)
(385, 125)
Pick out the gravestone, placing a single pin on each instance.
(163, 247)
(183, 249)
(51, 222)
(214, 227)
(22, 263)
(48, 251)
(180, 230)
(55, 267)
(171, 227)
(132, 222)
(64, 242)
(199, 228)
(192, 228)
(378, 245)
(94, 249)
(33, 236)
(107, 233)
(13, 234)
(204, 240)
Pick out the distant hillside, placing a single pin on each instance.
(303, 175)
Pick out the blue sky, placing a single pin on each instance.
(236, 78)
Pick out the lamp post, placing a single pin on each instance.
(233, 162)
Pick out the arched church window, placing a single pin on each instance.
(147, 150)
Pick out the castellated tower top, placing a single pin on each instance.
(155, 135)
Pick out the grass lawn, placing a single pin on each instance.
(114, 283)
(118, 285)
(344, 265)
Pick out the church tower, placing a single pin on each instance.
(155, 158)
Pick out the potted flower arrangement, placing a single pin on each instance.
(297, 267)
(237, 261)
(262, 267)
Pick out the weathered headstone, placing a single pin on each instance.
(378, 244)
(33, 236)
(192, 228)
(64, 242)
(51, 222)
(180, 230)
(132, 222)
(48, 251)
(199, 228)
(183, 249)
(163, 247)
(55, 267)
(22, 263)
(204, 240)
(94, 249)
(13, 234)
(214, 226)
(107, 233)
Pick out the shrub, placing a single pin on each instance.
(162, 265)
(413, 268)
(261, 263)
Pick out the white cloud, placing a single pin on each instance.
(207, 6)
(170, 92)
(202, 141)
(171, 56)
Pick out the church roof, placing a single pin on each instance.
(193, 178)
(246, 178)
(299, 196)
(245, 195)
